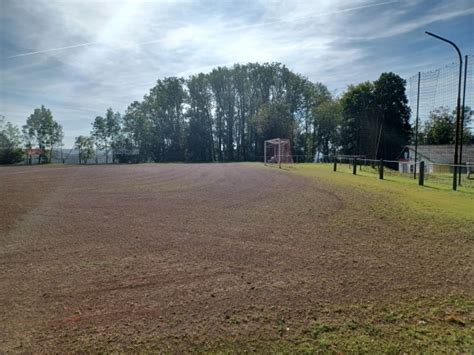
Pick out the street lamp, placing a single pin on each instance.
(458, 107)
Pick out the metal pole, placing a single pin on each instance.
(462, 117)
(265, 152)
(416, 125)
(421, 179)
(279, 153)
(458, 106)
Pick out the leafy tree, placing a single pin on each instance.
(113, 124)
(393, 116)
(10, 142)
(199, 140)
(85, 145)
(313, 96)
(164, 107)
(376, 118)
(328, 117)
(357, 134)
(275, 120)
(217, 80)
(220, 116)
(42, 130)
(106, 131)
(101, 136)
(440, 128)
(137, 127)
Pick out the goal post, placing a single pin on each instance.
(277, 151)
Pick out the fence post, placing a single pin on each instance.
(381, 169)
(335, 164)
(421, 175)
(354, 166)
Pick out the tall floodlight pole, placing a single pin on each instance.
(416, 124)
(462, 116)
(458, 107)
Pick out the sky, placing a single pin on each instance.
(79, 57)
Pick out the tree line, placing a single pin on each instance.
(226, 115)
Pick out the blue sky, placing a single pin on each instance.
(80, 57)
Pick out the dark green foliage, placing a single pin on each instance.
(357, 130)
(163, 109)
(42, 130)
(328, 117)
(376, 118)
(441, 127)
(106, 131)
(394, 115)
(85, 145)
(9, 154)
(10, 141)
(225, 115)
(199, 138)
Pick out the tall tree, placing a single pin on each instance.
(85, 145)
(376, 118)
(101, 136)
(393, 122)
(164, 106)
(275, 120)
(10, 143)
(137, 127)
(222, 115)
(217, 82)
(41, 129)
(105, 132)
(199, 140)
(113, 124)
(358, 136)
(440, 128)
(328, 117)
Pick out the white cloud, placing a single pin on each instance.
(114, 51)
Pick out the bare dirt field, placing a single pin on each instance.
(181, 257)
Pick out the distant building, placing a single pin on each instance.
(437, 158)
(35, 155)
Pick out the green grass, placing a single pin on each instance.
(425, 326)
(400, 196)
(439, 325)
(441, 181)
(428, 325)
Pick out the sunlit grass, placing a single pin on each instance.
(427, 326)
(434, 201)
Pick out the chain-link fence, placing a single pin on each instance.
(438, 88)
(432, 98)
(69, 156)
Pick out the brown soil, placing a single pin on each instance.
(172, 256)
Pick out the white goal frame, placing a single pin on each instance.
(280, 142)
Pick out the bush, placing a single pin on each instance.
(10, 155)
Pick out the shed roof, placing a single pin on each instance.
(443, 154)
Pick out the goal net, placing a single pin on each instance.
(278, 151)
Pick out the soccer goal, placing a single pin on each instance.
(277, 151)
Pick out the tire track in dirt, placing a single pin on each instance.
(155, 245)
